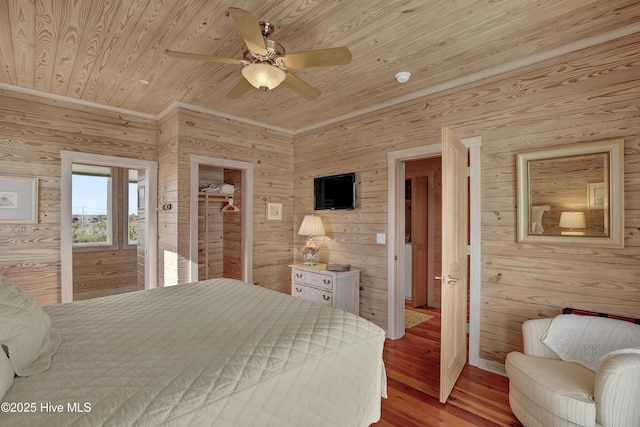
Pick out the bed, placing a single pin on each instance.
(219, 352)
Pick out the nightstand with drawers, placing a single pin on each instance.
(338, 289)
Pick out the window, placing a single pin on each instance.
(104, 212)
(92, 205)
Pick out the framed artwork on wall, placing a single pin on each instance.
(18, 200)
(274, 211)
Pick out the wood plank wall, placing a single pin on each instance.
(588, 95)
(168, 194)
(104, 272)
(33, 130)
(271, 153)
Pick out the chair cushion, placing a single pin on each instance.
(565, 389)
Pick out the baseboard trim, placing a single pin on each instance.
(491, 366)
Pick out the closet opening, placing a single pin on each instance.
(221, 219)
(219, 222)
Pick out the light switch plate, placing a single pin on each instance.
(381, 238)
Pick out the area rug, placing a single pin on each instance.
(412, 318)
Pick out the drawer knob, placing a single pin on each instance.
(326, 297)
(298, 289)
(326, 281)
(298, 275)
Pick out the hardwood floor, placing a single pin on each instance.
(479, 399)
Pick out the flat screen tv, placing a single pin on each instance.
(335, 192)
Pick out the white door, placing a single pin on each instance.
(453, 350)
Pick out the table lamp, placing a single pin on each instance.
(311, 226)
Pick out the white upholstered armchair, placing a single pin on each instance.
(547, 391)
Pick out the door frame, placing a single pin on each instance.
(246, 221)
(150, 225)
(395, 249)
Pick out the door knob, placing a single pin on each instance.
(448, 279)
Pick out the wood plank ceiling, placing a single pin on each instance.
(100, 50)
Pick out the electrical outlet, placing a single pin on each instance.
(381, 238)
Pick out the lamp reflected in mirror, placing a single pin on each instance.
(572, 222)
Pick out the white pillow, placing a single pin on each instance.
(6, 373)
(586, 340)
(25, 330)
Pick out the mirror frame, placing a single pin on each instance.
(615, 149)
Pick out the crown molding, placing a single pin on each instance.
(209, 111)
(76, 101)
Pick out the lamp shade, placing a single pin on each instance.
(572, 220)
(311, 226)
(263, 76)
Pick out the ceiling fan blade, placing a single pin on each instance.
(300, 87)
(199, 57)
(249, 29)
(316, 58)
(239, 89)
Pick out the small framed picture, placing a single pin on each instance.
(274, 211)
(596, 199)
(18, 200)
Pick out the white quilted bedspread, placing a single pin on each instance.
(218, 352)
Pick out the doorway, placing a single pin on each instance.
(106, 218)
(213, 212)
(219, 222)
(396, 227)
(102, 167)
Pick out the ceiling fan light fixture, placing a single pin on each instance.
(263, 76)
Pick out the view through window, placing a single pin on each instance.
(91, 203)
(94, 192)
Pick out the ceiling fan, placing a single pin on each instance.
(265, 63)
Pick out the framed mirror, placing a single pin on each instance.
(572, 194)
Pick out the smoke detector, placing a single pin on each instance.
(403, 76)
